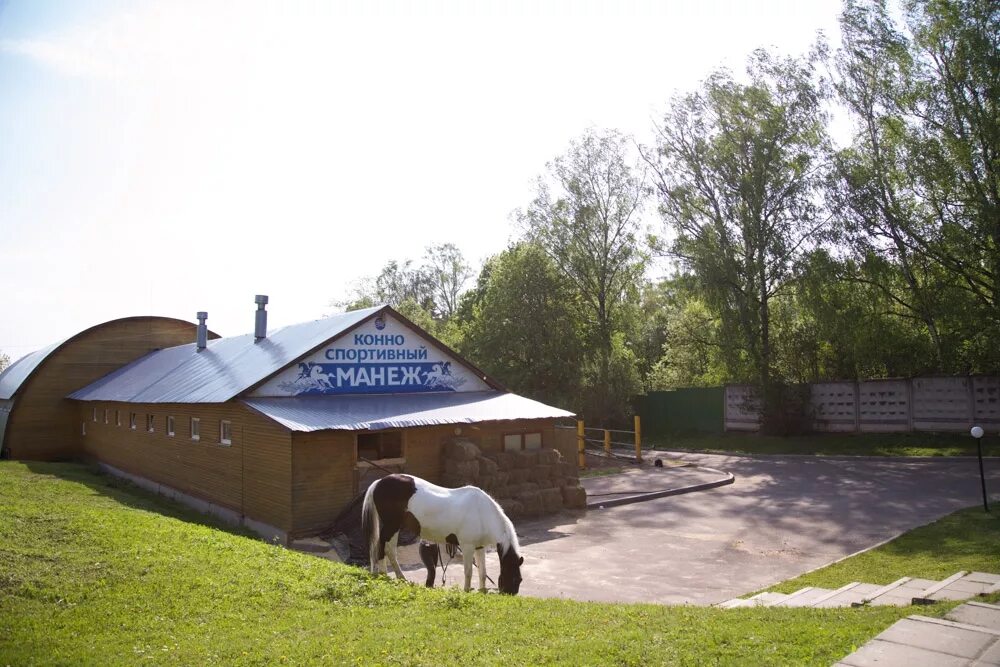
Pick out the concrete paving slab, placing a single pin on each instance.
(768, 599)
(983, 577)
(990, 657)
(950, 640)
(879, 653)
(976, 613)
(804, 598)
(849, 597)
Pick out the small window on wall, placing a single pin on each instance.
(83, 428)
(118, 417)
(149, 423)
(107, 416)
(195, 428)
(131, 420)
(225, 433)
(95, 414)
(170, 426)
(379, 445)
(515, 442)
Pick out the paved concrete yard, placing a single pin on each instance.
(783, 516)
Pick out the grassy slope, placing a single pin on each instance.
(98, 573)
(832, 444)
(966, 540)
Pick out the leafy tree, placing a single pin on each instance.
(918, 192)
(448, 271)
(692, 351)
(434, 286)
(524, 326)
(738, 169)
(586, 216)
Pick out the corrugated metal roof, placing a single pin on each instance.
(15, 374)
(378, 412)
(222, 370)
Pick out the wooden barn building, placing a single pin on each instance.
(276, 430)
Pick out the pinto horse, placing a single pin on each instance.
(467, 515)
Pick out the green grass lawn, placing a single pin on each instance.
(96, 572)
(966, 540)
(831, 444)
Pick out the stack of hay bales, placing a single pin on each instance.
(527, 483)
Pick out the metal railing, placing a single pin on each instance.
(605, 440)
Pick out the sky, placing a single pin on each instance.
(163, 158)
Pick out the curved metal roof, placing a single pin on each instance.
(14, 375)
(225, 368)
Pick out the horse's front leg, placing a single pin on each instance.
(467, 562)
(481, 564)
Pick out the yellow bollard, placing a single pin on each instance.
(638, 439)
(607, 443)
(580, 445)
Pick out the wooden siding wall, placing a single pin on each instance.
(251, 476)
(323, 469)
(43, 423)
(323, 478)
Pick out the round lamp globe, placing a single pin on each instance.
(977, 431)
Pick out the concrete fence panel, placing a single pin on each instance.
(834, 406)
(986, 402)
(883, 406)
(942, 403)
(742, 408)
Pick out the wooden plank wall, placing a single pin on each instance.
(43, 424)
(322, 478)
(251, 476)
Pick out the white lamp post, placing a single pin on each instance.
(977, 433)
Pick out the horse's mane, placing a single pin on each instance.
(509, 539)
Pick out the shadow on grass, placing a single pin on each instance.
(126, 493)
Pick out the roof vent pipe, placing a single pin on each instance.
(202, 330)
(260, 323)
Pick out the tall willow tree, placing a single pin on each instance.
(587, 219)
(918, 191)
(738, 167)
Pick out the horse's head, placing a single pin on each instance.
(510, 570)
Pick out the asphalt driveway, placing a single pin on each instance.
(782, 517)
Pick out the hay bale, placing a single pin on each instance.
(511, 507)
(519, 475)
(540, 473)
(461, 450)
(531, 503)
(487, 466)
(453, 481)
(551, 499)
(467, 469)
(574, 497)
(503, 478)
(568, 469)
(486, 482)
(500, 491)
(504, 460)
(549, 457)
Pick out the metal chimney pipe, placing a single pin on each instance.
(260, 322)
(202, 340)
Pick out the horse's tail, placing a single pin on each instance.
(370, 522)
